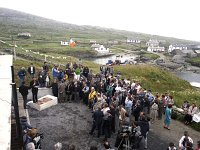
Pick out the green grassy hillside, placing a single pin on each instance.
(46, 37)
(13, 22)
(150, 78)
(194, 61)
(161, 81)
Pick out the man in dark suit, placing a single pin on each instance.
(31, 70)
(23, 89)
(144, 126)
(97, 121)
(34, 86)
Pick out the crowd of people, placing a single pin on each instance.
(116, 103)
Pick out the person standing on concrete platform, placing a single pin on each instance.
(31, 70)
(34, 86)
(23, 89)
(61, 91)
(54, 86)
(22, 75)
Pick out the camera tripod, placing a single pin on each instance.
(127, 142)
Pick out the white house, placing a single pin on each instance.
(133, 41)
(93, 42)
(100, 48)
(24, 34)
(155, 49)
(154, 43)
(197, 52)
(177, 46)
(113, 42)
(64, 43)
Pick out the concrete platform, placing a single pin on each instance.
(44, 102)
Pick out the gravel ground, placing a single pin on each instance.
(70, 123)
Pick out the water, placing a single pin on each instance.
(189, 76)
(185, 75)
(122, 57)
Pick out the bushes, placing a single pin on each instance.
(180, 117)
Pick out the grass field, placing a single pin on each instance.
(194, 61)
(150, 78)
(161, 81)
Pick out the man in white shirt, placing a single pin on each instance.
(184, 140)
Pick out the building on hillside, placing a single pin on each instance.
(194, 47)
(177, 47)
(64, 43)
(100, 48)
(162, 41)
(113, 42)
(153, 43)
(184, 53)
(129, 41)
(155, 49)
(24, 35)
(93, 42)
(197, 52)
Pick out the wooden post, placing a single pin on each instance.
(14, 51)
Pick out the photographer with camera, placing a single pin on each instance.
(123, 137)
(32, 136)
(136, 136)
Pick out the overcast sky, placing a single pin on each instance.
(173, 18)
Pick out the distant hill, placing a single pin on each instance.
(13, 22)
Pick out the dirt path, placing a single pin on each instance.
(69, 123)
(176, 132)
